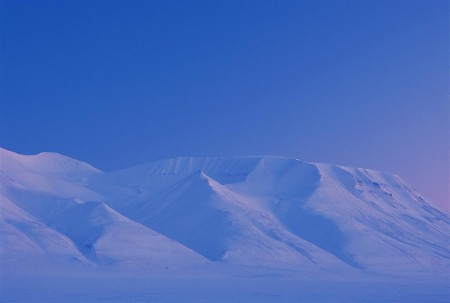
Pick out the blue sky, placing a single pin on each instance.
(119, 83)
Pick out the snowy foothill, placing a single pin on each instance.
(240, 229)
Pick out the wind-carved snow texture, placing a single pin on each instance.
(264, 212)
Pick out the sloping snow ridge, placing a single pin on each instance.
(266, 212)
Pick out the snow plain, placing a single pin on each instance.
(243, 229)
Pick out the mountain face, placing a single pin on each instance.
(253, 211)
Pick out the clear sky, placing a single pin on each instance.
(119, 83)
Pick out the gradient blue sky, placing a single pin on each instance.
(119, 83)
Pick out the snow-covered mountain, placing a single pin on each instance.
(253, 211)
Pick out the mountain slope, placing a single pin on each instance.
(226, 227)
(48, 215)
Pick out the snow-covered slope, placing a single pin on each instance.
(258, 211)
(48, 216)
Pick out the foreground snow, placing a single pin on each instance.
(244, 229)
(229, 286)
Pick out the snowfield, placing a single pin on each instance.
(243, 229)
